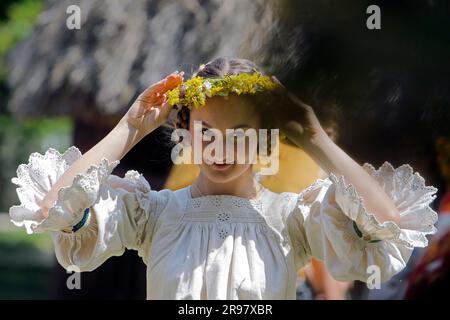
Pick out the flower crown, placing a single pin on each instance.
(193, 92)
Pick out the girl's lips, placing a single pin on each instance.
(221, 166)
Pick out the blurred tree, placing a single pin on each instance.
(17, 18)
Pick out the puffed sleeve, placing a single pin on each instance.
(96, 217)
(328, 221)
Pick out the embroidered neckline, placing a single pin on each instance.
(227, 196)
(221, 200)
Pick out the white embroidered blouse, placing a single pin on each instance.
(223, 247)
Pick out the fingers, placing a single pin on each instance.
(289, 94)
(275, 79)
(281, 88)
(290, 107)
(173, 80)
(293, 128)
(165, 108)
(153, 94)
(160, 113)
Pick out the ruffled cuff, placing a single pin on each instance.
(411, 197)
(35, 180)
(142, 190)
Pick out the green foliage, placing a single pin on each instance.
(21, 17)
(19, 139)
(25, 264)
(11, 240)
(20, 21)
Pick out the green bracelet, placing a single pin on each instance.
(80, 224)
(359, 233)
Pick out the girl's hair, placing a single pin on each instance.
(218, 68)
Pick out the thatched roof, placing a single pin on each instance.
(386, 79)
(122, 47)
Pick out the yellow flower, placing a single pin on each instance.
(173, 96)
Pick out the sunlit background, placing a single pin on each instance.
(382, 95)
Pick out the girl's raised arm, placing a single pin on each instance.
(300, 124)
(147, 113)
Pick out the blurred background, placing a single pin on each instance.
(381, 94)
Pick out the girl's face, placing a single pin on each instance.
(222, 114)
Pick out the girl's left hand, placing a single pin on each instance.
(294, 118)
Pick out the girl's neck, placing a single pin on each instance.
(245, 186)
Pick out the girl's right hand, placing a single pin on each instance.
(151, 109)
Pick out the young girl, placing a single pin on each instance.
(225, 236)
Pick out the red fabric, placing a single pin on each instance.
(431, 274)
(444, 205)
